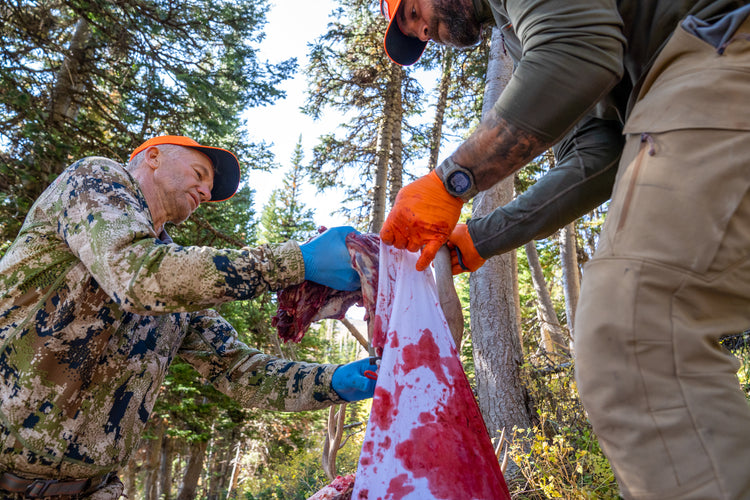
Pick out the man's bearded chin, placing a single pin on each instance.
(459, 19)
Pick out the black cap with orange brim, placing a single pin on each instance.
(226, 165)
(400, 48)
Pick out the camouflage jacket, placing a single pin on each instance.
(94, 307)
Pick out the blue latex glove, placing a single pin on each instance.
(352, 383)
(327, 260)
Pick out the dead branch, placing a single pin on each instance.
(449, 301)
(332, 442)
(356, 333)
(204, 224)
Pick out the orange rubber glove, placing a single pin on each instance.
(422, 218)
(464, 255)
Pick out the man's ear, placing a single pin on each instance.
(153, 157)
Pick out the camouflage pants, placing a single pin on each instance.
(113, 490)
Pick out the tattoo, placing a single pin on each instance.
(496, 150)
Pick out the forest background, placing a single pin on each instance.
(81, 78)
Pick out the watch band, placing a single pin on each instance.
(458, 180)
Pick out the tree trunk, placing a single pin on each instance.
(221, 468)
(391, 115)
(152, 465)
(128, 477)
(590, 238)
(208, 469)
(234, 473)
(437, 124)
(69, 82)
(189, 487)
(215, 468)
(553, 341)
(493, 289)
(64, 100)
(165, 468)
(395, 174)
(571, 275)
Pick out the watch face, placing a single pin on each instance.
(460, 182)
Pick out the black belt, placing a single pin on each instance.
(40, 488)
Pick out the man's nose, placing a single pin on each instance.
(416, 28)
(205, 192)
(424, 32)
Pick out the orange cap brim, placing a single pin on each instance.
(226, 165)
(402, 49)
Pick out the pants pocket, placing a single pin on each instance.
(683, 201)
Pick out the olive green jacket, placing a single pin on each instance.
(579, 67)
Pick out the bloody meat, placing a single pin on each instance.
(340, 489)
(301, 305)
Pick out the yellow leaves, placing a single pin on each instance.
(564, 464)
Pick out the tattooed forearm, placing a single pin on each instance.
(496, 150)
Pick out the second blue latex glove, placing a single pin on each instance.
(327, 260)
(356, 380)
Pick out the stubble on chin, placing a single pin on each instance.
(462, 29)
(181, 214)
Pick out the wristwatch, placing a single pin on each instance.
(458, 181)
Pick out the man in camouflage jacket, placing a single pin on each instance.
(96, 301)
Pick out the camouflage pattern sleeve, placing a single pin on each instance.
(251, 377)
(94, 307)
(103, 218)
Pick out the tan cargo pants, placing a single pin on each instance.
(671, 275)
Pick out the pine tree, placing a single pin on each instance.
(285, 216)
(495, 312)
(83, 78)
(350, 73)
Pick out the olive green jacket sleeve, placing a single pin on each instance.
(582, 179)
(567, 56)
(572, 56)
(586, 157)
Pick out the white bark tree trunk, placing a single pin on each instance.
(391, 117)
(495, 309)
(570, 272)
(442, 100)
(553, 341)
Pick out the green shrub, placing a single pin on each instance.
(568, 464)
(559, 457)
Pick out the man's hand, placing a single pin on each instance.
(355, 381)
(464, 255)
(327, 260)
(422, 218)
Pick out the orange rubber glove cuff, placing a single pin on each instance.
(422, 217)
(464, 255)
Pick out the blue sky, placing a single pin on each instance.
(292, 24)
